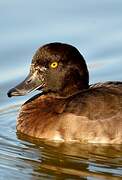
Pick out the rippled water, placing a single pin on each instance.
(95, 28)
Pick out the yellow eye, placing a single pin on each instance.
(54, 65)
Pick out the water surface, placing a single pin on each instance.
(95, 28)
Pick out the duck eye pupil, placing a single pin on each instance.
(54, 64)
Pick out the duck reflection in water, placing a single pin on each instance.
(73, 160)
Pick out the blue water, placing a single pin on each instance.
(95, 28)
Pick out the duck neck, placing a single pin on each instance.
(74, 82)
(70, 88)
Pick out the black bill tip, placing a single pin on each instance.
(13, 92)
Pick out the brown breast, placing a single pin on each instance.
(91, 116)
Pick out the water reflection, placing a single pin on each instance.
(76, 160)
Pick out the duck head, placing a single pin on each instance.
(57, 68)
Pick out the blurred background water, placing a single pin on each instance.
(95, 28)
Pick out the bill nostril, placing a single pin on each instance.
(28, 81)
